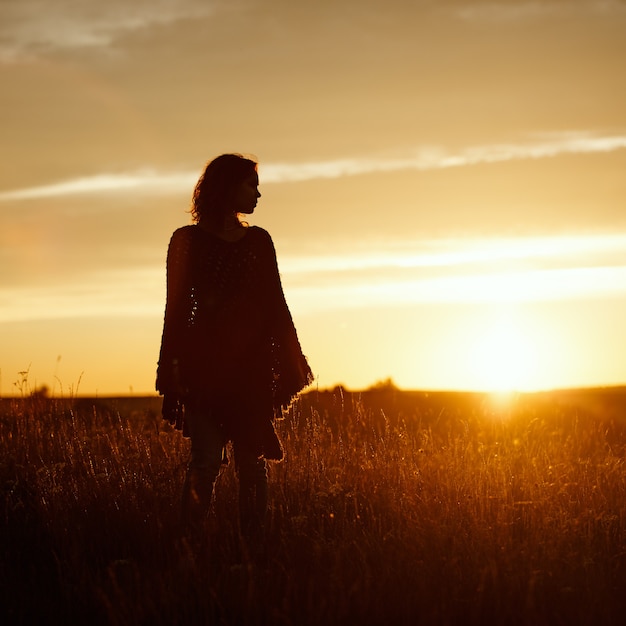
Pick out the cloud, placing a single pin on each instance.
(32, 27)
(144, 180)
(425, 158)
(432, 158)
(406, 272)
(518, 269)
(458, 253)
(540, 285)
(498, 12)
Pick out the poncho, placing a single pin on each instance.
(227, 325)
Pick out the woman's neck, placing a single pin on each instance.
(231, 222)
(232, 229)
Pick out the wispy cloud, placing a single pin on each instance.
(33, 27)
(143, 181)
(140, 293)
(147, 181)
(435, 157)
(596, 249)
(500, 287)
(409, 272)
(460, 271)
(521, 10)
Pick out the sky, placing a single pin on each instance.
(444, 183)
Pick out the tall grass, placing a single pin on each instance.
(390, 508)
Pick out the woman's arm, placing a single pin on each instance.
(292, 372)
(178, 311)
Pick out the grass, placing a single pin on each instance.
(391, 507)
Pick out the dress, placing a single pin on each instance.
(229, 332)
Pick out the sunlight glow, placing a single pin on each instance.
(508, 348)
(504, 358)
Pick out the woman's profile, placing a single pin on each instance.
(229, 353)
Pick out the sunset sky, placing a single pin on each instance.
(445, 183)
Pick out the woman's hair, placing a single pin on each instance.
(215, 190)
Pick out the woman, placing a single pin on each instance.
(229, 352)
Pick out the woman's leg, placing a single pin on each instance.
(204, 464)
(252, 473)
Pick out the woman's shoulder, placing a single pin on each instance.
(261, 240)
(182, 241)
(187, 235)
(259, 233)
(184, 232)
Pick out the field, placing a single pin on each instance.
(391, 507)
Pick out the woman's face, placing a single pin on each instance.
(247, 194)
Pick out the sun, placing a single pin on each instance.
(504, 356)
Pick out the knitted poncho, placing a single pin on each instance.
(227, 326)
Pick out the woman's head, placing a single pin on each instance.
(225, 188)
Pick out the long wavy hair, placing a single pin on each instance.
(213, 196)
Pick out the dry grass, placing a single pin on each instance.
(391, 507)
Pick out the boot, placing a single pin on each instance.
(253, 506)
(196, 499)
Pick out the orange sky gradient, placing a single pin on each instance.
(444, 183)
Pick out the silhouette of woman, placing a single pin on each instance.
(230, 358)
